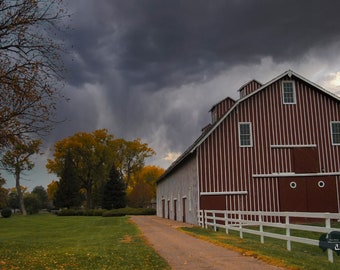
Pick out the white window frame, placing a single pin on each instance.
(250, 131)
(283, 92)
(332, 137)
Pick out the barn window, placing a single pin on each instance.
(335, 130)
(288, 92)
(245, 137)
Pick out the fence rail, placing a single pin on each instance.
(245, 221)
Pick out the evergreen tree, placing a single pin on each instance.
(68, 193)
(114, 194)
(41, 195)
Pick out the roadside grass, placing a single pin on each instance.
(47, 241)
(273, 251)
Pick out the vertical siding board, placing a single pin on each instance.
(210, 172)
(235, 149)
(299, 135)
(306, 121)
(224, 162)
(227, 148)
(268, 133)
(223, 157)
(332, 152)
(205, 156)
(203, 170)
(318, 135)
(213, 157)
(220, 159)
(327, 105)
(229, 155)
(260, 126)
(272, 136)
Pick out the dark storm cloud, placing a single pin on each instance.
(122, 53)
(174, 42)
(153, 68)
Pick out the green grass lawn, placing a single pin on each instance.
(273, 250)
(50, 242)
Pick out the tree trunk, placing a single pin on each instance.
(89, 197)
(20, 195)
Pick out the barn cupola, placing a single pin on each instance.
(249, 87)
(219, 109)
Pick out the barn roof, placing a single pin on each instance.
(209, 130)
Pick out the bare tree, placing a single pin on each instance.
(30, 67)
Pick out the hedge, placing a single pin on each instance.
(107, 213)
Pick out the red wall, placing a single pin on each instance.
(224, 166)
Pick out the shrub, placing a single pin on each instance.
(81, 212)
(6, 213)
(129, 211)
(105, 213)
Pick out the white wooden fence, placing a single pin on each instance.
(243, 221)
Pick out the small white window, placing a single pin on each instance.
(288, 92)
(335, 131)
(293, 185)
(245, 136)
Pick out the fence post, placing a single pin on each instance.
(240, 225)
(226, 223)
(261, 228)
(214, 219)
(200, 218)
(289, 245)
(329, 251)
(205, 219)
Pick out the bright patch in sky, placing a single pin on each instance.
(335, 79)
(171, 156)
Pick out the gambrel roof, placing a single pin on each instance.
(208, 131)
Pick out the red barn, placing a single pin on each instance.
(277, 148)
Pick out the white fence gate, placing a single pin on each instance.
(242, 221)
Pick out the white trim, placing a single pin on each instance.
(225, 193)
(198, 183)
(291, 174)
(292, 145)
(250, 134)
(294, 92)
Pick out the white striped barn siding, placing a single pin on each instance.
(224, 166)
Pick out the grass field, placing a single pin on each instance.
(51, 242)
(273, 250)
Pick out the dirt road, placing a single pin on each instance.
(183, 251)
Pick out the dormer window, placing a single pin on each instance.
(288, 92)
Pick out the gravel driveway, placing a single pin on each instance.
(183, 251)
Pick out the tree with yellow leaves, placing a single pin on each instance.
(143, 186)
(92, 158)
(94, 154)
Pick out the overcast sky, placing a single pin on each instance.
(152, 69)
